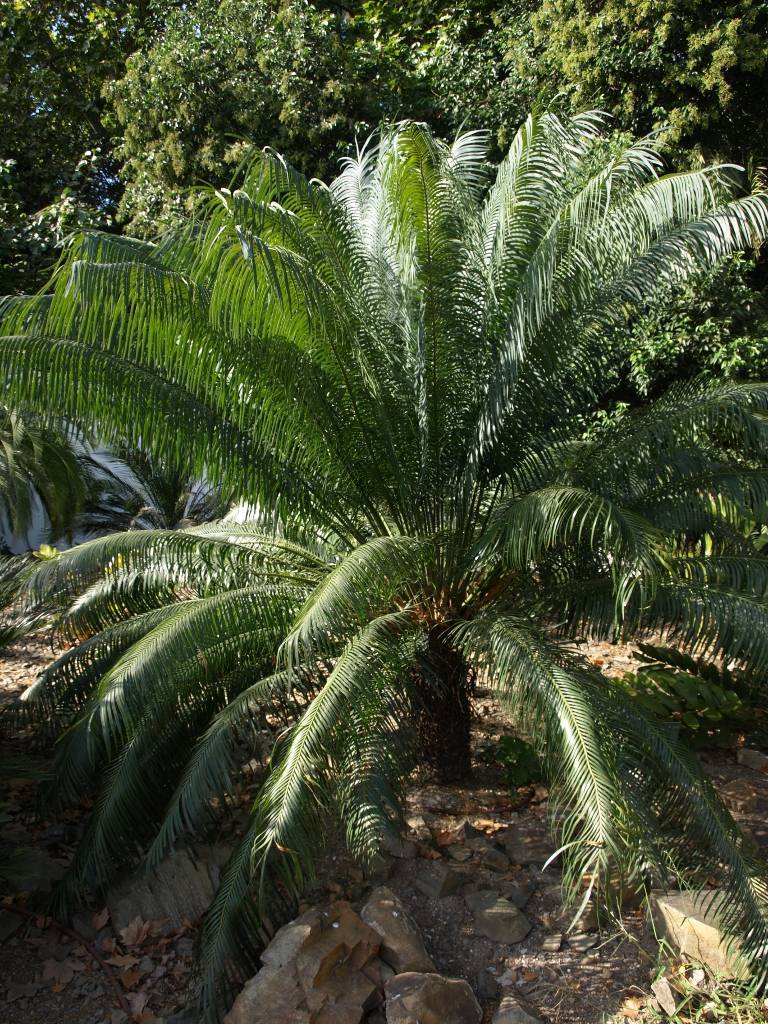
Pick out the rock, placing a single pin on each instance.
(288, 941)
(586, 922)
(458, 852)
(486, 986)
(512, 1011)
(564, 919)
(20, 991)
(688, 922)
(495, 860)
(319, 969)
(401, 944)
(179, 889)
(386, 973)
(465, 831)
(482, 898)
(40, 872)
(439, 880)
(437, 800)
(480, 844)
(517, 891)
(396, 846)
(9, 924)
(751, 842)
(698, 978)
(379, 868)
(527, 848)
(273, 996)
(501, 921)
(739, 795)
(754, 759)
(664, 995)
(552, 943)
(344, 939)
(582, 943)
(418, 826)
(430, 999)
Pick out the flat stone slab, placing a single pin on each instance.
(740, 795)
(511, 1011)
(414, 998)
(439, 880)
(180, 888)
(401, 944)
(498, 919)
(754, 759)
(527, 848)
(689, 923)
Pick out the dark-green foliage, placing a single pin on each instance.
(519, 761)
(711, 705)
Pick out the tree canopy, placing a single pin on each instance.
(164, 94)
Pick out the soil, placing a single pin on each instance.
(48, 975)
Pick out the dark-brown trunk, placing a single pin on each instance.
(443, 709)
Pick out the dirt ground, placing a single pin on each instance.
(145, 970)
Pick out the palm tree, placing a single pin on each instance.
(398, 371)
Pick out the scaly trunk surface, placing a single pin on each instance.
(442, 705)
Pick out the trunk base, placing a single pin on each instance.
(443, 710)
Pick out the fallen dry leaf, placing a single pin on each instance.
(100, 919)
(631, 1007)
(135, 932)
(123, 960)
(60, 972)
(130, 979)
(137, 1002)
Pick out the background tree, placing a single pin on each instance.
(304, 78)
(57, 145)
(701, 68)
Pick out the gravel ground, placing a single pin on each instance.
(585, 981)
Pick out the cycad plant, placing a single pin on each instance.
(398, 371)
(43, 469)
(137, 491)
